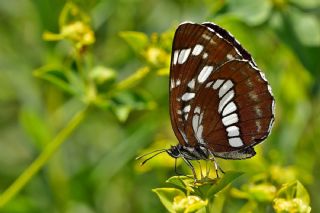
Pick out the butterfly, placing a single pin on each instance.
(221, 104)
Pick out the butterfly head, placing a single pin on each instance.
(174, 151)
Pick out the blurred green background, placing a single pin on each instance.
(109, 60)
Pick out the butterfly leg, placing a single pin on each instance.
(175, 168)
(216, 165)
(192, 169)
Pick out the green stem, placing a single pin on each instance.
(208, 207)
(41, 160)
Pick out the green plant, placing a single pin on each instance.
(92, 86)
(190, 196)
(98, 95)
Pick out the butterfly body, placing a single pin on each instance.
(189, 152)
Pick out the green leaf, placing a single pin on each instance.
(294, 190)
(292, 197)
(133, 79)
(264, 192)
(306, 26)
(167, 195)
(102, 74)
(157, 57)
(124, 102)
(306, 4)
(55, 75)
(137, 40)
(103, 78)
(163, 71)
(282, 205)
(122, 112)
(183, 182)
(206, 187)
(251, 12)
(250, 206)
(35, 126)
(188, 204)
(76, 83)
(227, 178)
(176, 201)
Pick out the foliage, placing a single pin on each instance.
(191, 196)
(83, 89)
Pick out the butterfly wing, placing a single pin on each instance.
(194, 46)
(232, 111)
(207, 54)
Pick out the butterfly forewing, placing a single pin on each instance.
(227, 36)
(194, 47)
(218, 97)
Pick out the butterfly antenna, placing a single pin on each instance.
(149, 153)
(159, 152)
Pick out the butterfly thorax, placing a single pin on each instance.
(189, 152)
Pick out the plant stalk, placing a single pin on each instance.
(42, 159)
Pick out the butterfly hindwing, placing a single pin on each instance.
(222, 118)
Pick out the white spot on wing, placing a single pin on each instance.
(187, 96)
(231, 107)
(205, 36)
(179, 112)
(175, 57)
(172, 84)
(253, 96)
(258, 111)
(235, 142)
(230, 57)
(205, 55)
(192, 83)
(258, 124)
(195, 122)
(225, 100)
(197, 49)
(230, 119)
(201, 117)
(225, 87)
(217, 84)
(183, 56)
(212, 42)
(197, 110)
(184, 135)
(204, 73)
(233, 131)
(199, 133)
(249, 83)
(178, 82)
(186, 109)
(209, 84)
